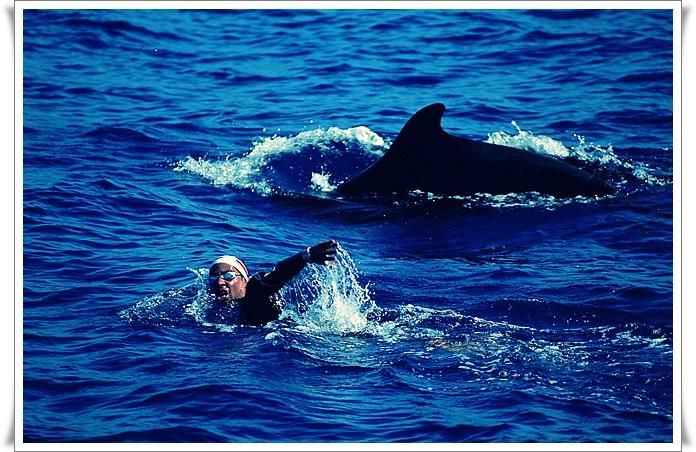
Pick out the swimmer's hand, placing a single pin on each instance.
(322, 253)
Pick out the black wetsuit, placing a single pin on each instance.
(261, 303)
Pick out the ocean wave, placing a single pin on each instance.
(118, 28)
(653, 117)
(116, 133)
(417, 80)
(560, 14)
(311, 161)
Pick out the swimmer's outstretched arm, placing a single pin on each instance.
(321, 253)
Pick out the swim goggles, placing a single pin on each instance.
(227, 276)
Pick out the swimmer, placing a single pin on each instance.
(257, 295)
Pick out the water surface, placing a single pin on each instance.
(156, 140)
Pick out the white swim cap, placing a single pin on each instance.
(235, 263)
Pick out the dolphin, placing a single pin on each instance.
(425, 157)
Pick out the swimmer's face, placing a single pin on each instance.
(222, 289)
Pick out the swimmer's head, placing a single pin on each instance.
(227, 278)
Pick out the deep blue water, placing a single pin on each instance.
(156, 140)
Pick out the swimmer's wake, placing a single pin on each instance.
(321, 299)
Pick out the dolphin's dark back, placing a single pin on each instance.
(424, 157)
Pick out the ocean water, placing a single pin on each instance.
(156, 140)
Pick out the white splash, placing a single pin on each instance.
(582, 151)
(525, 139)
(239, 172)
(157, 310)
(320, 137)
(321, 182)
(330, 299)
(250, 171)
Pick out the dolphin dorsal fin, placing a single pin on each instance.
(424, 124)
